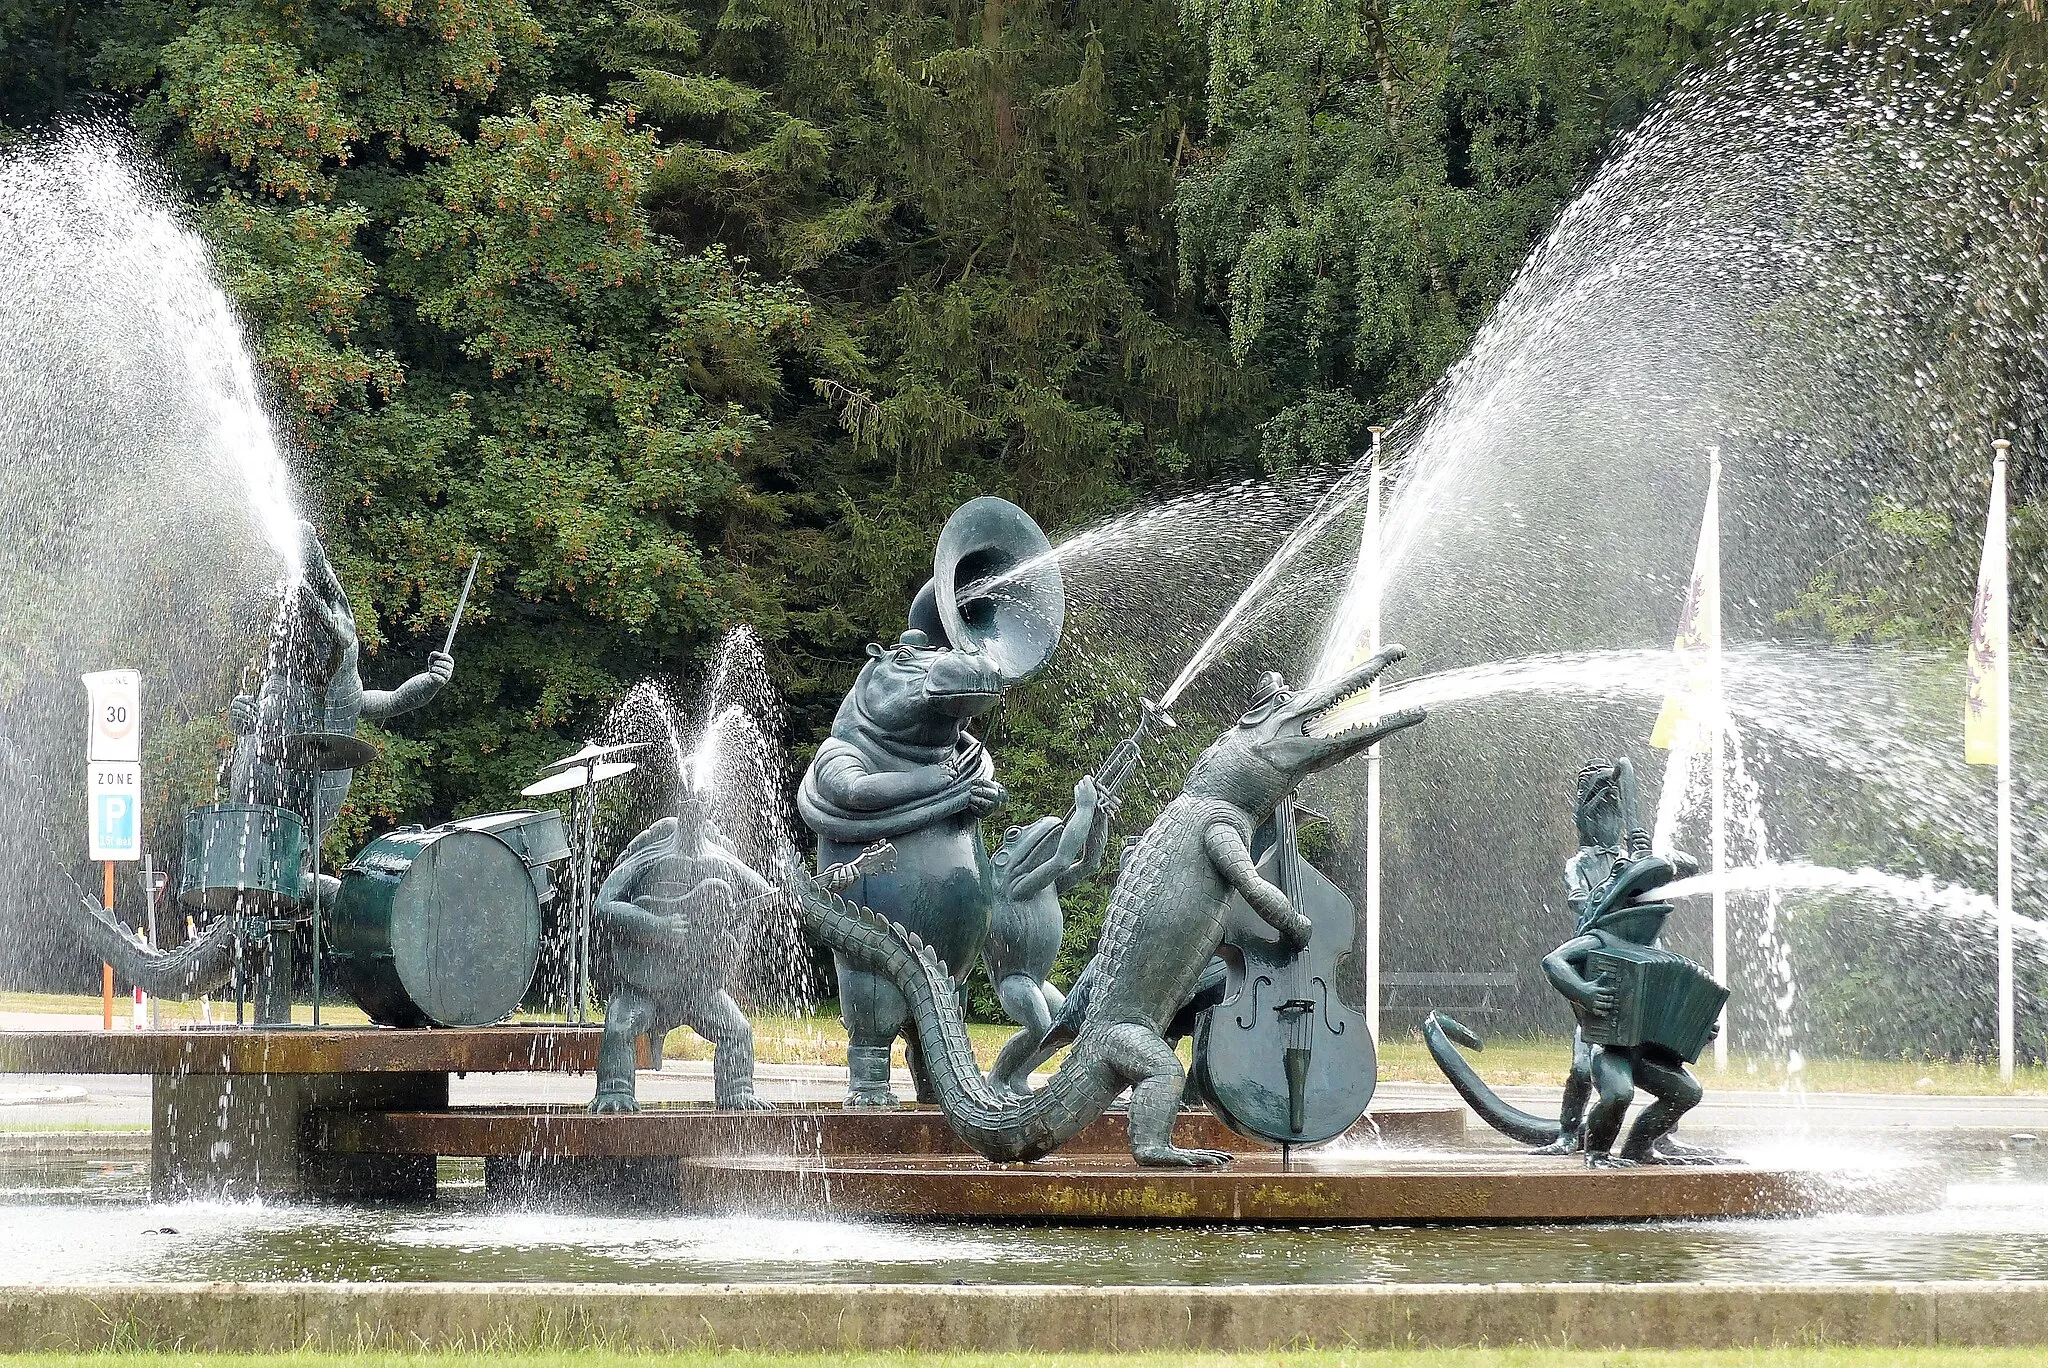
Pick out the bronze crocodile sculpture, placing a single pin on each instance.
(1165, 922)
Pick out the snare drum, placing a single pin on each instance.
(436, 928)
(245, 854)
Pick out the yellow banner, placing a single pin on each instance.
(1984, 713)
(1692, 706)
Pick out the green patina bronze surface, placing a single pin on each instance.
(1606, 881)
(1164, 925)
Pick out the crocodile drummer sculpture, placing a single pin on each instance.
(1165, 922)
(312, 683)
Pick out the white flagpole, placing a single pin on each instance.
(1719, 771)
(1369, 560)
(2002, 631)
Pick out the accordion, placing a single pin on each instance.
(1660, 999)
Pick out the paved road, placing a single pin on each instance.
(39, 1101)
(122, 1100)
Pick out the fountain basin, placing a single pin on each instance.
(229, 1104)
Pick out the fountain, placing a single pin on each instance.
(1534, 547)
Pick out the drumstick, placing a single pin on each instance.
(448, 646)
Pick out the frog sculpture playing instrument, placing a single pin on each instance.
(1034, 867)
(1671, 1008)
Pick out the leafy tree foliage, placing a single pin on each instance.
(1375, 172)
(486, 345)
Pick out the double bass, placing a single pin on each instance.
(1283, 1058)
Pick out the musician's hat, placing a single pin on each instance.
(1269, 693)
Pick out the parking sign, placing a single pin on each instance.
(114, 802)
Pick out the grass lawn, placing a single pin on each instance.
(817, 1039)
(1422, 1358)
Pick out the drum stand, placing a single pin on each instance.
(316, 753)
(579, 775)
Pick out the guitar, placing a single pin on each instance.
(878, 858)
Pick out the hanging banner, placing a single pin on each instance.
(1691, 709)
(1984, 713)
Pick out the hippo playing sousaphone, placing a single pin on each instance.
(900, 764)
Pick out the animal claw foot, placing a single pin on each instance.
(879, 1099)
(1689, 1158)
(745, 1102)
(613, 1104)
(1172, 1156)
(1609, 1161)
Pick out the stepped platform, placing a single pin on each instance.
(297, 1112)
(1346, 1183)
(677, 1154)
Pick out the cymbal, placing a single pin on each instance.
(593, 751)
(322, 751)
(564, 780)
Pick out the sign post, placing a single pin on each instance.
(113, 788)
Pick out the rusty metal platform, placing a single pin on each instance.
(1359, 1186)
(520, 1048)
(552, 1135)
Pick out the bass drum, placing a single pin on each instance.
(436, 928)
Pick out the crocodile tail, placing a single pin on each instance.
(195, 968)
(993, 1122)
(1516, 1124)
(192, 970)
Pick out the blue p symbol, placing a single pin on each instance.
(117, 820)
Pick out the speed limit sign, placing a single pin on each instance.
(116, 715)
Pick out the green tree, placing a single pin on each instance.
(482, 342)
(1374, 174)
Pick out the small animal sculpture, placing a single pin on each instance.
(670, 912)
(1164, 925)
(901, 766)
(311, 682)
(1604, 881)
(1034, 867)
(1026, 926)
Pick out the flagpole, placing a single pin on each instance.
(2004, 670)
(1719, 771)
(1369, 560)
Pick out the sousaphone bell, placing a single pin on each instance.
(995, 589)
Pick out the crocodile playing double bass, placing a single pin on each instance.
(1284, 1058)
(1166, 919)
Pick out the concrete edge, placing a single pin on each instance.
(242, 1318)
